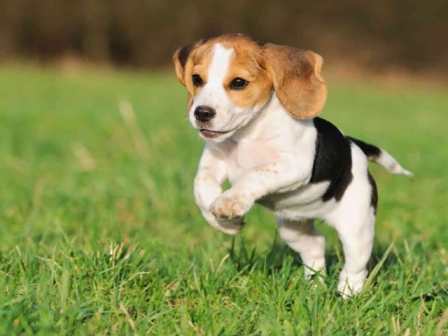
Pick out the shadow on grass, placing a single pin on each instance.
(280, 258)
(247, 259)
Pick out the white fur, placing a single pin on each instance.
(354, 220)
(213, 93)
(302, 237)
(390, 164)
(268, 157)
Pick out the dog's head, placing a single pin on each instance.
(230, 78)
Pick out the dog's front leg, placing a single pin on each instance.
(207, 188)
(279, 176)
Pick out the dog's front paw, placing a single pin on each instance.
(230, 206)
(227, 226)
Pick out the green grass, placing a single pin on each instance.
(99, 233)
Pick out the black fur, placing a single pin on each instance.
(374, 193)
(371, 151)
(333, 160)
(185, 52)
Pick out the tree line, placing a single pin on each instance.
(382, 34)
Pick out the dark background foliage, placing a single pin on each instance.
(408, 35)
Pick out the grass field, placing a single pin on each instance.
(99, 233)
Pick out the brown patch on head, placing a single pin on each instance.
(294, 74)
(182, 59)
(243, 61)
(195, 59)
(201, 63)
(248, 65)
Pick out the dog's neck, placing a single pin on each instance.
(272, 121)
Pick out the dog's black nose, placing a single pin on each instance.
(204, 113)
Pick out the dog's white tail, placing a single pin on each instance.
(381, 157)
(389, 163)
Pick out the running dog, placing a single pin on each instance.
(255, 105)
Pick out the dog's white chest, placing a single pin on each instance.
(246, 156)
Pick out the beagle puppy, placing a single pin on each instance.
(255, 105)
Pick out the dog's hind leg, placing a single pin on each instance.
(303, 238)
(356, 232)
(354, 220)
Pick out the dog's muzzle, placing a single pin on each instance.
(204, 113)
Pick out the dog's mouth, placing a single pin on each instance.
(211, 134)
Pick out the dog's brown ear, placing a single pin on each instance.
(296, 75)
(181, 58)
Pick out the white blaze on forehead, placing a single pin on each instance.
(219, 65)
(213, 93)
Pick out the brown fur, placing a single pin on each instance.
(246, 65)
(297, 79)
(183, 63)
(294, 74)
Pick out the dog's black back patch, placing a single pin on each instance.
(333, 160)
(374, 192)
(371, 151)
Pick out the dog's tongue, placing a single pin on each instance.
(211, 134)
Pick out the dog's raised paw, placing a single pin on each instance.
(230, 207)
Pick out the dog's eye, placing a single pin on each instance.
(238, 83)
(197, 80)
